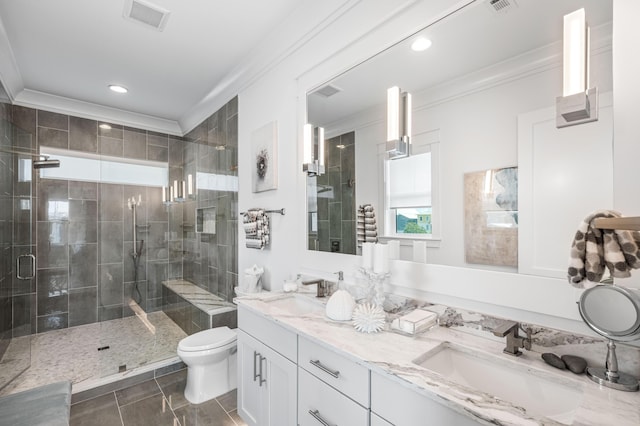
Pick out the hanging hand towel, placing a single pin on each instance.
(256, 227)
(594, 249)
(366, 229)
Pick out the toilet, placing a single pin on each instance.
(211, 359)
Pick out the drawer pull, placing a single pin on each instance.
(317, 363)
(262, 380)
(316, 415)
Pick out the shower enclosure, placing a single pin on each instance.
(17, 268)
(88, 245)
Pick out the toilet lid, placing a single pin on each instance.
(208, 339)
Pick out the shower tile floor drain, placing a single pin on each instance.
(70, 353)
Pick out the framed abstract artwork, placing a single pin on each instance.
(264, 154)
(491, 217)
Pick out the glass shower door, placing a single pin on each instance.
(17, 267)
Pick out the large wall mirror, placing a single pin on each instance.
(483, 109)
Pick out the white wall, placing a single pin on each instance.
(365, 29)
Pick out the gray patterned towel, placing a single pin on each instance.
(594, 249)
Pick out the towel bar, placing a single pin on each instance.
(281, 211)
(623, 223)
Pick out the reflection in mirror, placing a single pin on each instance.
(485, 77)
(330, 199)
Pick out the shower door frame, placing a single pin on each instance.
(21, 290)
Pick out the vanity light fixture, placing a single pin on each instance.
(313, 136)
(398, 122)
(578, 103)
(420, 44)
(179, 191)
(118, 89)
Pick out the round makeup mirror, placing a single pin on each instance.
(612, 312)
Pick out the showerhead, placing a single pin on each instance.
(46, 163)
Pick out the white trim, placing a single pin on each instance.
(62, 105)
(10, 76)
(260, 63)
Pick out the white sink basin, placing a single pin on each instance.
(296, 304)
(539, 396)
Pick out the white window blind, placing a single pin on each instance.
(410, 181)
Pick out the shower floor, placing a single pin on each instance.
(72, 354)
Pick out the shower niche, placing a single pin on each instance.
(206, 220)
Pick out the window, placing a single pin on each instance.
(411, 191)
(409, 194)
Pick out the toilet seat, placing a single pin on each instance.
(208, 339)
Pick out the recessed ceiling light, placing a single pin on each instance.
(420, 44)
(104, 126)
(118, 89)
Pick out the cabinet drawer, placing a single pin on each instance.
(318, 402)
(348, 377)
(267, 331)
(379, 421)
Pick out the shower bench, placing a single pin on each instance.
(194, 308)
(45, 405)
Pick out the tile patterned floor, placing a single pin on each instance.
(156, 402)
(72, 353)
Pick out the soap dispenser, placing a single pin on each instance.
(340, 306)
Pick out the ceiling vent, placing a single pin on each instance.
(502, 6)
(146, 13)
(328, 90)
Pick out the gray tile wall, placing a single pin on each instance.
(16, 296)
(337, 216)
(6, 228)
(83, 230)
(209, 260)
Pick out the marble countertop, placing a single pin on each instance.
(199, 297)
(392, 353)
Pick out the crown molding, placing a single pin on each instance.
(10, 76)
(303, 25)
(62, 105)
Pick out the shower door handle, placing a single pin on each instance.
(19, 263)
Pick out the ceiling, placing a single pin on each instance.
(65, 53)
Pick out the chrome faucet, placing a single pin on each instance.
(514, 341)
(322, 289)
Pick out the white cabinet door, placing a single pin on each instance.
(249, 391)
(280, 390)
(266, 384)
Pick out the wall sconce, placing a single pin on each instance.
(578, 103)
(398, 122)
(178, 192)
(313, 136)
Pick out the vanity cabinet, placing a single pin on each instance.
(339, 372)
(320, 404)
(378, 421)
(332, 389)
(402, 406)
(267, 380)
